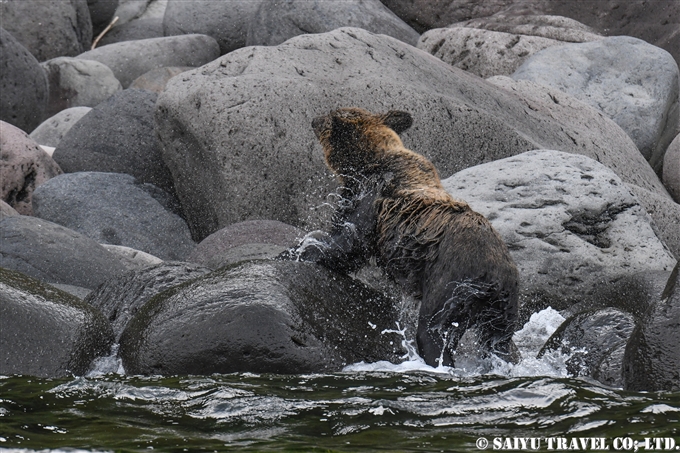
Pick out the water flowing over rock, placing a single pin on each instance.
(120, 298)
(571, 224)
(632, 82)
(113, 208)
(237, 134)
(130, 59)
(54, 254)
(23, 84)
(117, 136)
(52, 130)
(652, 360)
(275, 22)
(46, 332)
(595, 342)
(261, 317)
(23, 167)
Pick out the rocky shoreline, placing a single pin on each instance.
(148, 183)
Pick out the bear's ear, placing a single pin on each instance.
(397, 120)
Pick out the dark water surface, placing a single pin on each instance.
(347, 412)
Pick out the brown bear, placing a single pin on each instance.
(395, 209)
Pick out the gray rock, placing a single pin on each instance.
(49, 29)
(23, 167)
(6, 210)
(54, 254)
(129, 10)
(261, 317)
(156, 79)
(23, 84)
(134, 30)
(558, 28)
(46, 332)
(671, 169)
(276, 21)
(117, 136)
(237, 134)
(571, 224)
(652, 359)
(252, 238)
(130, 59)
(482, 52)
(665, 214)
(595, 342)
(101, 13)
(112, 208)
(632, 82)
(120, 298)
(80, 293)
(52, 130)
(132, 259)
(227, 22)
(74, 82)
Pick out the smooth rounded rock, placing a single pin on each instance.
(52, 130)
(117, 136)
(131, 258)
(632, 82)
(156, 79)
(130, 59)
(261, 317)
(227, 22)
(276, 21)
(23, 84)
(49, 29)
(134, 30)
(671, 169)
(23, 167)
(75, 82)
(46, 332)
(652, 360)
(120, 298)
(52, 253)
(112, 208)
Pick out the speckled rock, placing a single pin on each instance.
(156, 79)
(671, 169)
(52, 130)
(23, 167)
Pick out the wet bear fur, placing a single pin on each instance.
(393, 208)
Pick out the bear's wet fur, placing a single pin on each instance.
(437, 249)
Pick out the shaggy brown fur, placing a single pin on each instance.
(435, 247)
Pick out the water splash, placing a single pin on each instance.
(529, 341)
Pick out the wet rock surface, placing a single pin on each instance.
(261, 316)
(46, 332)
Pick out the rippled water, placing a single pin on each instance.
(367, 407)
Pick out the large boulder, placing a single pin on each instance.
(46, 332)
(134, 30)
(23, 167)
(665, 214)
(54, 254)
(113, 208)
(652, 359)
(117, 136)
(632, 82)
(49, 29)
(276, 21)
(23, 84)
(595, 342)
(250, 239)
(52, 130)
(237, 133)
(227, 22)
(130, 59)
(74, 82)
(261, 317)
(485, 52)
(156, 79)
(120, 298)
(571, 224)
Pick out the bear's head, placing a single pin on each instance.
(357, 142)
